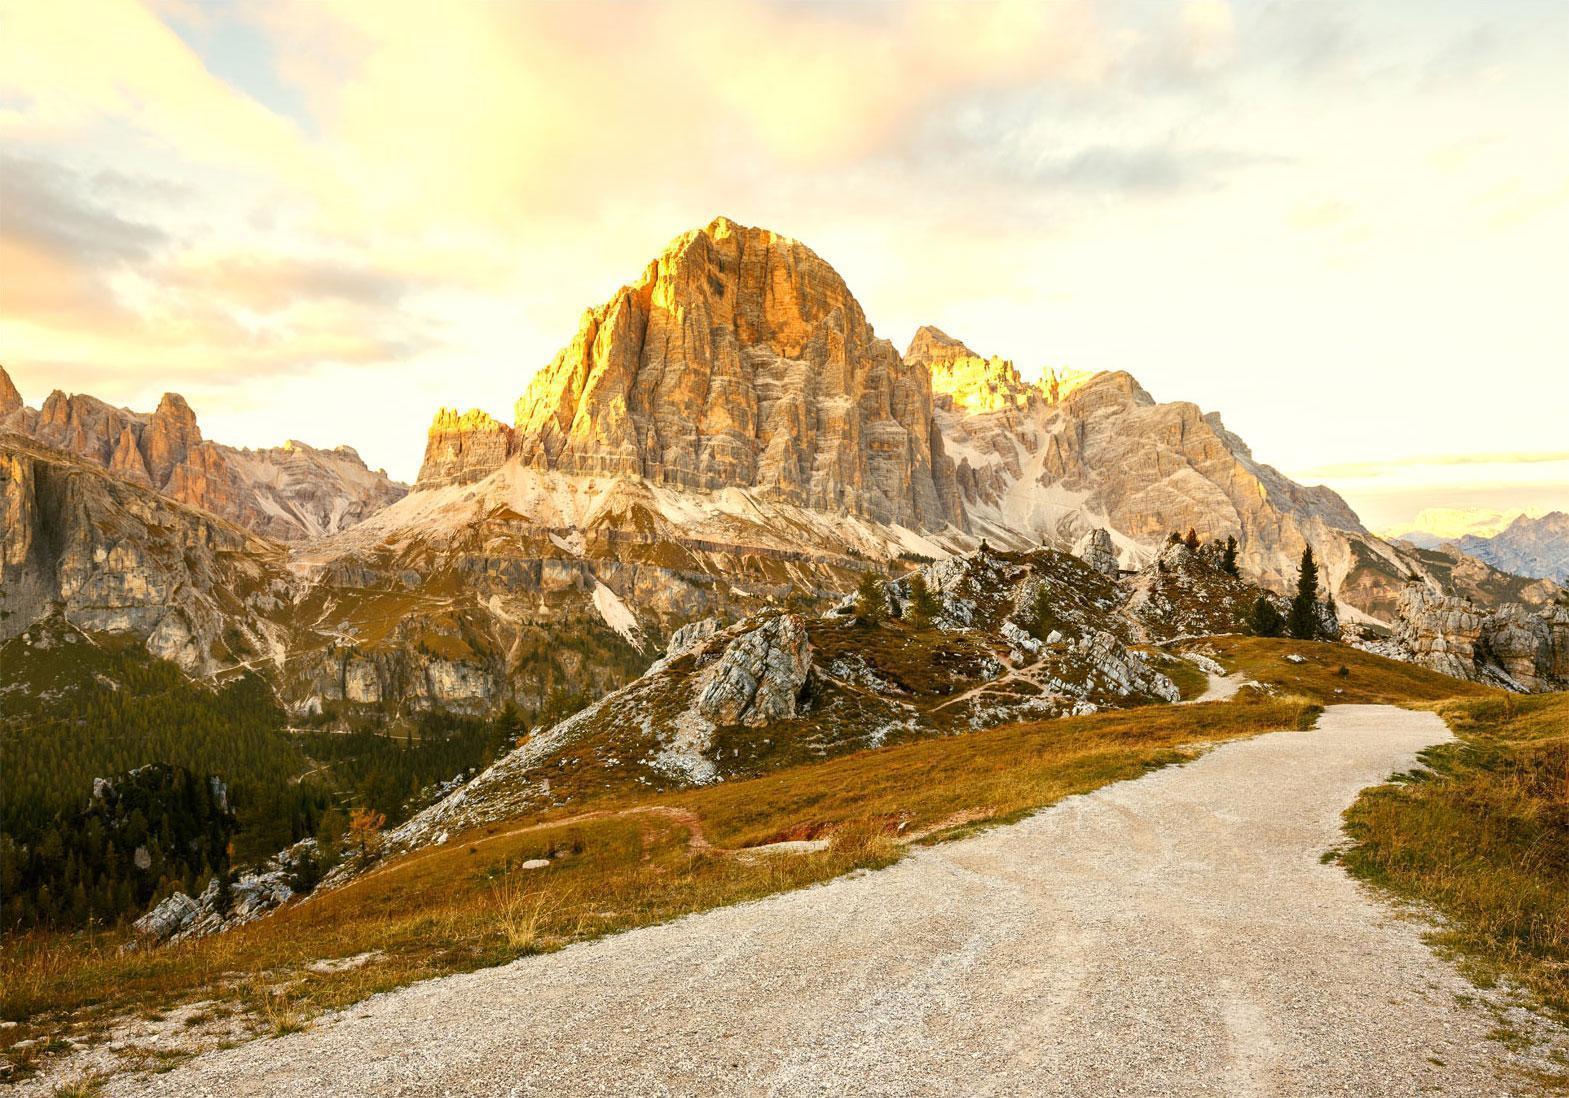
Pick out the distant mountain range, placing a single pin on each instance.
(1528, 546)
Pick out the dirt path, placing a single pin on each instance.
(1177, 934)
(1221, 687)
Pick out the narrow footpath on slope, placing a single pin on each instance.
(1177, 934)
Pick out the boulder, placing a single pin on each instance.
(170, 916)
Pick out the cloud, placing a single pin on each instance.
(1375, 468)
(48, 210)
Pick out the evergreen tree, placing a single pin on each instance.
(1192, 540)
(1228, 559)
(1041, 618)
(1264, 620)
(923, 604)
(1174, 539)
(1303, 619)
(871, 601)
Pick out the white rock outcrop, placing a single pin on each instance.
(759, 676)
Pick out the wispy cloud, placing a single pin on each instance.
(1375, 468)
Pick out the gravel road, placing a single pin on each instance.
(1177, 934)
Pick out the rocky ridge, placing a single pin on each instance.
(1518, 647)
(725, 435)
(288, 493)
(1535, 546)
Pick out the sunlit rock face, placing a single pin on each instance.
(1521, 647)
(463, 448)
(740, 359)
(115, 557)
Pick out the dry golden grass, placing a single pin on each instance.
(1366, 679)
(1482, 835)
(469, 903)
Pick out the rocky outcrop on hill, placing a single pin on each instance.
(251, 894)
(463, 448)
(1186, 593)
(1096, 550)
(1520, 647)
(287, 493)
(759, 676)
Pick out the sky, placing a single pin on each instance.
(1345, 226)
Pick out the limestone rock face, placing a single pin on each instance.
(1442, 632)
(1522, 647)
(289, 492)
(1530, 645)
(296, 491)
(117, 558)
(1095, 549)
(689, 636)
(10, 399)
(760, 675)
(740, 359)
(463, 448)
(1049, 461)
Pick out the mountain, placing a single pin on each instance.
(726, 435)
(738, 360)
(1529, 546)
(734, 400)
(290, 493)
(115, 557)
(1433, 526)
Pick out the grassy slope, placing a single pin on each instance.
(1482, 835)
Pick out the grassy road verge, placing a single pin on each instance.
(1481, 834)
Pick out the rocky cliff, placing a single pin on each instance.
(115, 557)
(1050, 460)
(1515, 646)
(289, 493)
(738, 360)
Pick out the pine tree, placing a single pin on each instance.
(1192, 540)
(1042, 614)
(871, 601)
(923, 604)
(1228, 560)
(1303, 619)
(1264, 620)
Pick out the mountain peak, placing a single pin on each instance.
(740, 359)
(10, 399)
(932, 344)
